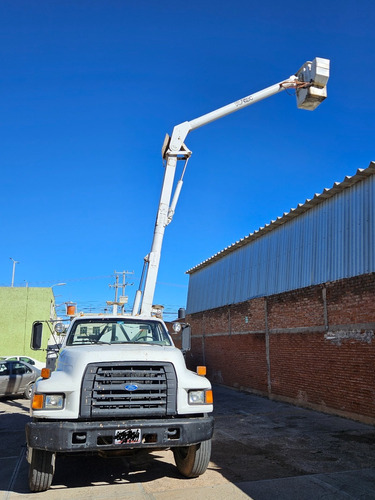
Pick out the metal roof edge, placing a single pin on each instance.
(301, 208)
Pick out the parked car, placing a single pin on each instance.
(25, 359)
(17, 378)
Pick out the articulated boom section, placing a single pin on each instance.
(310, 83)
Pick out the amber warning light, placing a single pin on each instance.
(70, 309)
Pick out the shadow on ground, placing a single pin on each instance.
(255, 439)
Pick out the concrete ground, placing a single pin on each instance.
(261, 449)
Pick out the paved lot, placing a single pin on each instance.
(261, 450)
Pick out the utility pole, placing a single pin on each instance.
(14, 270)
(123, 299)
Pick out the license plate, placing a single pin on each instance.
(128, 436)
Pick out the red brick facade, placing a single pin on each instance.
(314, 346)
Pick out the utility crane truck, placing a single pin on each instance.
(120, 384)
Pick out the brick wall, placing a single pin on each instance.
(314, 346)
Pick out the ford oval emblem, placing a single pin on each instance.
(131, 387)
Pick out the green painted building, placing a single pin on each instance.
(19, 308)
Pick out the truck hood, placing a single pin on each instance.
(73, 360)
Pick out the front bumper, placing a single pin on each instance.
(68, 436)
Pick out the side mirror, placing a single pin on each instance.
(186, 338)
(36, 336)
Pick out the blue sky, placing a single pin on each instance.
(88, 90)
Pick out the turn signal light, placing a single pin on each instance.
(201, 370)
(45, 373)
(37, 402)
(209, 397)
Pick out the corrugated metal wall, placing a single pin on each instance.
(333, 240)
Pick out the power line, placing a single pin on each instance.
(72, 280)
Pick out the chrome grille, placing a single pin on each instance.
(106, 391)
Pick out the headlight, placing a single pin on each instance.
(200, 397)
(54, 402)
(48, 402)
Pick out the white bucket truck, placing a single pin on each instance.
(120, 384)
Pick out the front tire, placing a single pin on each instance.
(192, 461)
(41, 470)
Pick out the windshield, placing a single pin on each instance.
(117, 331)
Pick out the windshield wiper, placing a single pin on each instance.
(143, 343)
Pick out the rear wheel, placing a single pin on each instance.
(41, 470)
(192, 461)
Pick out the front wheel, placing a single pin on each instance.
(192, 461)
(41, 470)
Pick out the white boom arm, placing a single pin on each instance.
(310, 83)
